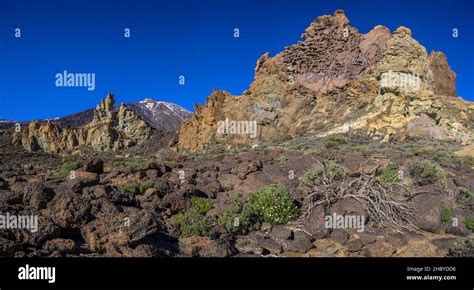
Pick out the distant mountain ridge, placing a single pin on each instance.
(107, 127)
(158, 114)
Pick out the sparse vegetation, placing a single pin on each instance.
(143, 186)
(282, 160)
(330, 170)
(130, 189)
(469, 224)
(419, 151)
(446, 214)
(388, 177)
(238, 218)
(427, 172)
(134, 166)
(463, 247)
(192, 223)
(162, 186)
(465, 195)
(65, 168)
(334, 141)
(202, 205)
(140, 188)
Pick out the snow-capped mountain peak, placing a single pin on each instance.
(159, 114)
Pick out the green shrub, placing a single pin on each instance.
(142, 187)
(465, 195)
(162, 187)
(282, 160)
(309, 151)
(469, 223)
(334, 142)
(330, 170)
(419, 151)
(206, 168)
(134, 166)
(273, 204)
(130, 189)
(427, 172)
(66, 167)
(238, 218)
(201, 204)
(388, 177)
(446, 215)
(192, 223)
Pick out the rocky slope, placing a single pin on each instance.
(337, 80)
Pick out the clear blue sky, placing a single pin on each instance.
(188, 37)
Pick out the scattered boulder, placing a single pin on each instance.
(397, 239)
(95, 166)
(340, 235)
(315, 224)
(379, 249)
(62, 245)
(195, 246)
(428, 212)
(280, 232)
(354, 245)
(300, 243)
(247, 167)
(125, 228)
(69, 210)
(77, 180)
(37, 196)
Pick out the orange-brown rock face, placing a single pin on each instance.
(444, 77)
(336, 80)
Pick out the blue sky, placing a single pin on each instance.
(193, 38)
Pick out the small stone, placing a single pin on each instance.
(340, 235)
(354, 245)
(279, 232)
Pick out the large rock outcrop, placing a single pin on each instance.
(336, 80)
(110, 129)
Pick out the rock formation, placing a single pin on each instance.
(110, 129)
(336, 80)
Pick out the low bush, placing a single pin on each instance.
(201, 205)
(465, 195)
(388, 177)
(65, 168)
(469, 223)
(192, 223)
(446, 215)
(427, 172)
(329, 171)
(273, 204)
(238, 218)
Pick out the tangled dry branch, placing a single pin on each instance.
(381, 206)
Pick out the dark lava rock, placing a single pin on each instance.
(95, 166)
